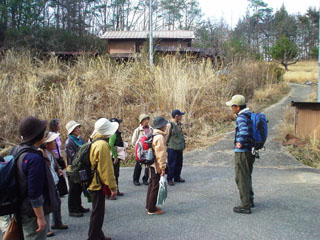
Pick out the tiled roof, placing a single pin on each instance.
(145, 34)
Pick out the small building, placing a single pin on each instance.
(307, 119)
(128, 44)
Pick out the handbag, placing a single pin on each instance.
(60, 159)
(13, 232)
(62, 186)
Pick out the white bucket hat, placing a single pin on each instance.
(51, 137)
(237, 100)
(71, 126)
(104, 127)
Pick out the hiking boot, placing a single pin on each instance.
(137, 183)
(84, 210)
(157, 212)
(180, 180)
(61, 227)
(119, 193)
(145, 182)
(112, 197)
(50, 234)
(75, 214)
(170, 183)
(158, 209)
(240, 209)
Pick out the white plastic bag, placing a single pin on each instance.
(163, 192)
(122, 151)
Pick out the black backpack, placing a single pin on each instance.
(80, 171)
(9, 196)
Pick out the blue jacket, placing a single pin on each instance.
(34, 168)
(243, 133)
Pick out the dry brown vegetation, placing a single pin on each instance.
(302, 71)
(309, 153)
(93, 88)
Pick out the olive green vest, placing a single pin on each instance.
(176, 139)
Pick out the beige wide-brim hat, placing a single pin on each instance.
(237, 100)
(143, 116)
(51, 137)
(70, 126)
(104, 127)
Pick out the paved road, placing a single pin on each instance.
(287, 197)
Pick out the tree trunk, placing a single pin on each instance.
(285, 64)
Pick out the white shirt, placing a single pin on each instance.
(52, 167)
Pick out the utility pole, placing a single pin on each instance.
(150, 35)
(319, 60)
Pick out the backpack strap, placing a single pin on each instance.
(19, 153)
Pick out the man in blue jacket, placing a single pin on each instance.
(243, 156)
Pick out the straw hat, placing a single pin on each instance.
(51, 137)
(71, 126)
(104, 127)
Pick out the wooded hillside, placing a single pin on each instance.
(49, 25)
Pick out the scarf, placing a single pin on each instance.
(77, 140)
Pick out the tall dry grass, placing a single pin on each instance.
(302, 71)
(97, 87)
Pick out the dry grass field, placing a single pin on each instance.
(302, 71)
(91, 88)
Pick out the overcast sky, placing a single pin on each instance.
(232, 10)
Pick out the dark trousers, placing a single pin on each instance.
(116, 170)
(137, 172)
(153, 189)
(243, 177)
(175, 162)
(74, 199)
(56, 216)
(97, 216)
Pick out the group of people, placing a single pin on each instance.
(40, 167)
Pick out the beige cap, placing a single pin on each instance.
(143, 116)
(237, 100)
(51, 137)
(71, 126)
(104, 127)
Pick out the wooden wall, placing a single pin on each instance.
(120, 46)
(308, 123)
(129, 46)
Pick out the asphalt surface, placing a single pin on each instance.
(287, 197)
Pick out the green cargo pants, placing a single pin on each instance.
(29, 225)
(243, 170)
